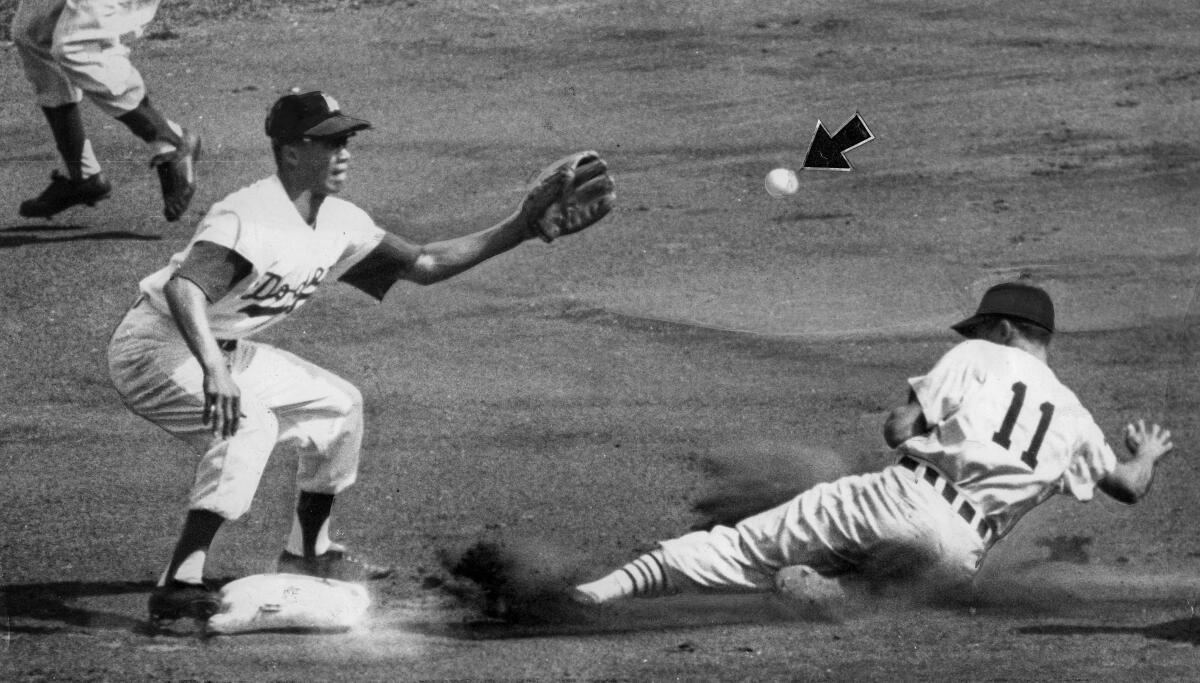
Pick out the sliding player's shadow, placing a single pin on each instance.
(561, 618)
(1176, 631)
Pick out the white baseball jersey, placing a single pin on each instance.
(289, 259)
(1006, 431)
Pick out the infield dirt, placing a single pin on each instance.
(575, 393)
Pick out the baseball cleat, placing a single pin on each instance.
(334, 564)
(177, 600)
(820, 595)
(63, 193)
(177, 175)
(580, 597)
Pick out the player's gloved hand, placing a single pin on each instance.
(1148, 440)
(222, 402)
(567, 196)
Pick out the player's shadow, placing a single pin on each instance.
(36, 234)
(43, 608)
(1176, 631)
(50, 607)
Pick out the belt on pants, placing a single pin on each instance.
(953, 496)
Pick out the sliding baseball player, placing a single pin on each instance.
(987, 435)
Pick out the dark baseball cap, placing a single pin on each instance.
(1019, 300)
(309, 115)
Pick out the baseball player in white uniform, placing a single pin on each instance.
(183, 359)
(988, 434)
(72, 48)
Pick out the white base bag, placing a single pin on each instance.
(289, 602)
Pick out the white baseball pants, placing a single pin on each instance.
(882, 525)
(70, 48)
(285, 400)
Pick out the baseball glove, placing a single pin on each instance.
(569, 195)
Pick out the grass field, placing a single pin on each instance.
(572, 393)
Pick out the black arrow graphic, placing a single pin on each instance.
(826, 152)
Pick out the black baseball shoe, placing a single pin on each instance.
(334, 563)
(177, 600)
(177, 175)
(63, 193)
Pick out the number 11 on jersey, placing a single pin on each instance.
(1004, 436)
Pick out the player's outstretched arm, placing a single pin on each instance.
(563, 200)
(566, 197)
(1130, 481)
(437, 261)
(396, 258)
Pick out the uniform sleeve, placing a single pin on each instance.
(221, 228)
(360, 236)
(214, 269)
(941, 390)
(224, 229)
(1092, 461)
(376, 272)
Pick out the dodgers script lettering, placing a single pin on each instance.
(283, 298)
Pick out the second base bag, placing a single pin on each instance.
(289, 602)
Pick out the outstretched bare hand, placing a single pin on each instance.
(1150, 440)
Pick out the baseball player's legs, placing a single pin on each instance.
(83, 183)
(230, 469)
(959, 550)
(70, 137)
(162, 382)
(33, 36)
(829, 527)
(33, 31)
(87, 45)
(320, 416)
(869, 526)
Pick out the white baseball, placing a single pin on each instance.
(781, 182)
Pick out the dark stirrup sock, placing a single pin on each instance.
(199, 529)
(312, 509)
(149, 124)
(66, 124)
